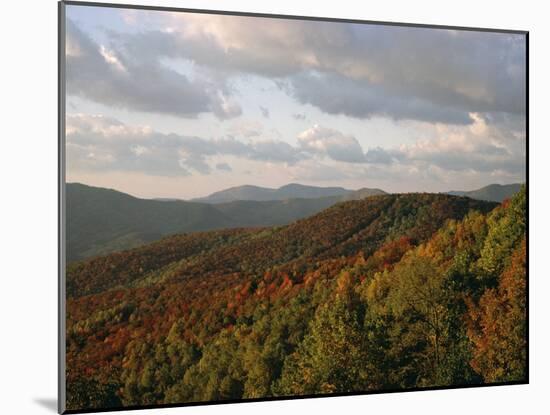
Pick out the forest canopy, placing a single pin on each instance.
(388, 292)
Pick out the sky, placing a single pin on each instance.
(180, 105)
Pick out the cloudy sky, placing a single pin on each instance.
(181, 105)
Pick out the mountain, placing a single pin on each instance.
(362, 193)
(493, 192)
(101, 220)
(386, 292)
(289, 191)
(246, 213)
(104, 220)
(340, 229)
(167, 199)
(281, 212)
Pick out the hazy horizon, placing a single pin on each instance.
(275, 188)
(181, 105)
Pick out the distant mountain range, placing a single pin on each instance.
(492, 193)
(100, 221)
(289, 191)
(103, 220)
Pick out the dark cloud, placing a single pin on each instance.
(195, 162)
(336, 94)
(122, 80)
(364, 70)
(264, 111)
(378, 155)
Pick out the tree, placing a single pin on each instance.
(407, 309)
(90, 394)
(506, 229)
(331, 357)
(497, 325)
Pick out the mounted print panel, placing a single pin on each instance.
(262, 207)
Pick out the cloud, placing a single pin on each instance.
(189, 160)
(245, 128)
(483, 146)
(378, 155)
(423, 74)
(339, 95)
(448, 156)
(299, 117)
(264, 111)
(271, 150)
(330, 142)
(223, 167)
(318, 171)
(488, 145)
(111, 77)
(98, 143)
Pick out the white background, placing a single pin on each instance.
(28, 228)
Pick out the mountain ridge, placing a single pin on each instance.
(492, 192)
(288, 191)
(101, 220)
(327, 234)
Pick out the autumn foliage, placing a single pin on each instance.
(388, 292)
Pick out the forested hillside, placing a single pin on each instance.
(393, 291)
(100, 221)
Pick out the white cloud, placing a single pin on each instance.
(482, 146)
(100, 143)
(111, 58)
(330, 142)
(449, 157)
